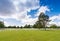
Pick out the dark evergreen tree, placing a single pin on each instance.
(2, 24)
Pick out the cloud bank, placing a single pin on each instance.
(16, 10)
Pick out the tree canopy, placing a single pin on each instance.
(43, 19)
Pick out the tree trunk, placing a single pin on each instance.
(44, 25)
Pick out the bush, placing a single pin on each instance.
(53, 26)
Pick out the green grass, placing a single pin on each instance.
(29, 35)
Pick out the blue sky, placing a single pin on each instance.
(20, 13)
(53, 5)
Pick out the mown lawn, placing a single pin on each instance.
(29, 35)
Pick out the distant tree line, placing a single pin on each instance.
(42, 22)
(28, 26)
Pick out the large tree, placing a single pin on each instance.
(42, 20)
(2, 24)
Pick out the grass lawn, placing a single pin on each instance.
(29, 35)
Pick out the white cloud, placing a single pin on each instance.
(55, 20)
(42, 9)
